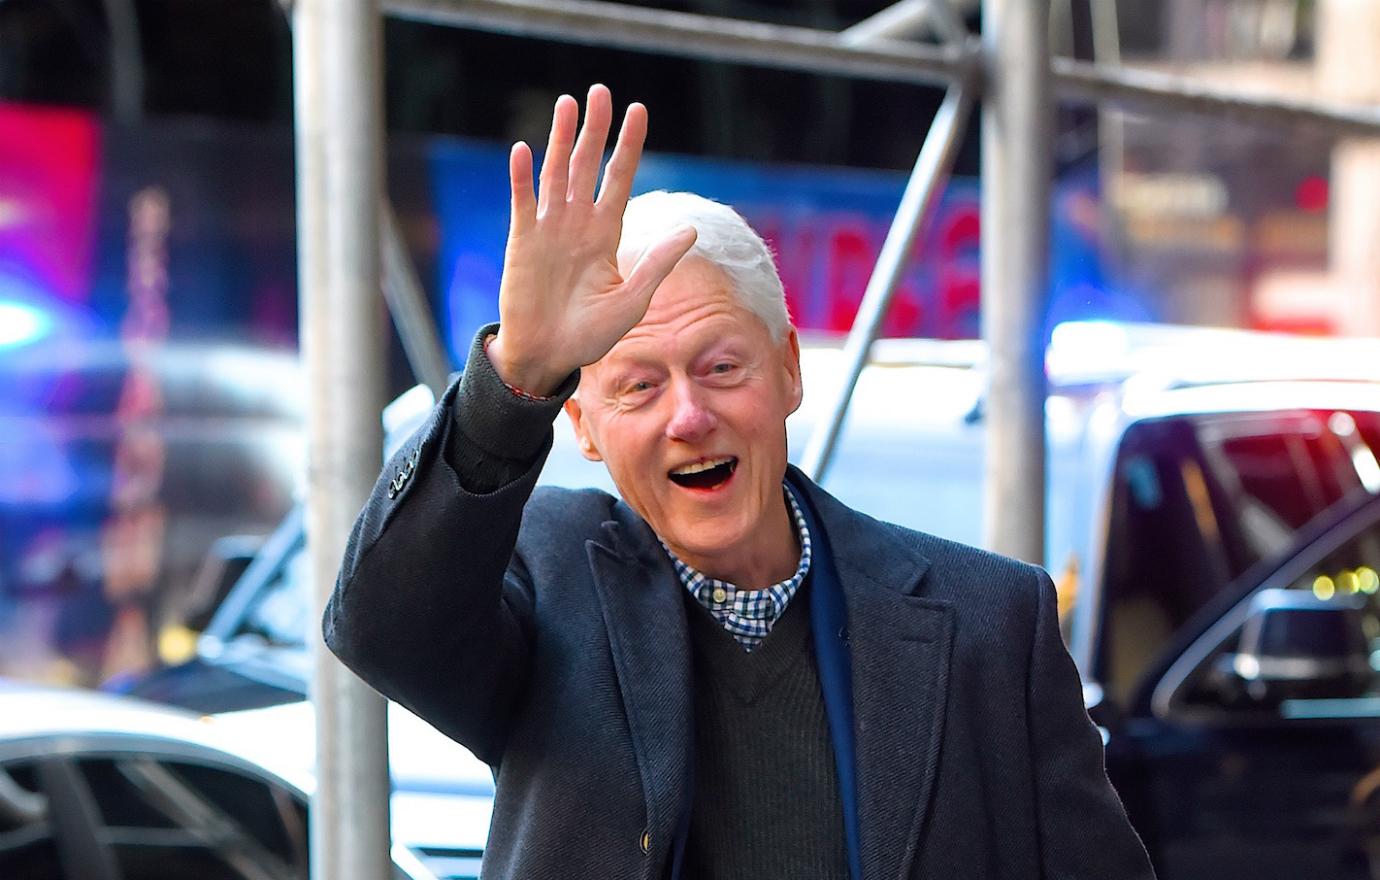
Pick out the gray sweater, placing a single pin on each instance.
(766, 800)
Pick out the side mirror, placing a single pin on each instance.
(1296, 646)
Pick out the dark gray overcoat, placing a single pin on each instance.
(545, 630)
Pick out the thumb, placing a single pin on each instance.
(657, 262)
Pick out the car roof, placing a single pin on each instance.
(1109, 352)
(38, 720)
(1145, 400)
(36, 710)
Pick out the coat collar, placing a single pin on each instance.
(899, 642)
(869, 553)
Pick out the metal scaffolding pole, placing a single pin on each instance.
(688, 35)
(1150, 91)
(924, 187)
(337, 69)
(715, 38)
(907, 19)
(1017, 120)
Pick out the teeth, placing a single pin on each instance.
(700, 466)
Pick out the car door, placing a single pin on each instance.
(1224, 787)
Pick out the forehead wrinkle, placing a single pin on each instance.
(653, 322)
(684, 329)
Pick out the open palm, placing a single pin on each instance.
(563, 302)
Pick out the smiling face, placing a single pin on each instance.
(688, 412)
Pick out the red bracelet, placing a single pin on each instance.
(525, 395)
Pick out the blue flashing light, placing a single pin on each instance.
(21, 324)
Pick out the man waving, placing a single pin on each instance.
(726, 673)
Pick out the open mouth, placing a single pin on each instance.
(708, 474)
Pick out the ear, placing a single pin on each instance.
(791, 351)
(582, 435)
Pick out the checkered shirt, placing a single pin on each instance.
(748, 615)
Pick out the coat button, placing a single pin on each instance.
(646, 842)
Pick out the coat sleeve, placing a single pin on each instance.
(1084, 831)
(432, 607)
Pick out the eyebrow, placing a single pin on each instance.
(631, 356)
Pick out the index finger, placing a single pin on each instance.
(618, 174)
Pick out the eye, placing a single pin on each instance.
(722, 367)
(640, 386)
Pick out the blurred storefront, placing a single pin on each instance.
(1237, 225)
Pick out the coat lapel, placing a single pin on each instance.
(645, 616)
(900, 644)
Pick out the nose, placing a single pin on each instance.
(692, 419)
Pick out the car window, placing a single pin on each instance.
(1290, 477)
(1166, 550)
(1196, 502)
(140, 816)
(1274, 481)
(1348, 575)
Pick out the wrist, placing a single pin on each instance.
(524, 377)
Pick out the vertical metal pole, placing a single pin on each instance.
(126, 63)
(925, 185)
(1111, 121)
(337, 71)
(1016, 164)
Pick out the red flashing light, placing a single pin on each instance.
(1311, 195)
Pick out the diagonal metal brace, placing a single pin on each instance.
(905, 19)
(924, 187)
(407, 303)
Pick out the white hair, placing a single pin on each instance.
(724, 239)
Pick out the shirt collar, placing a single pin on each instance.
(724, 598)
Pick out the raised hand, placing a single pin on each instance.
(563, 302)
